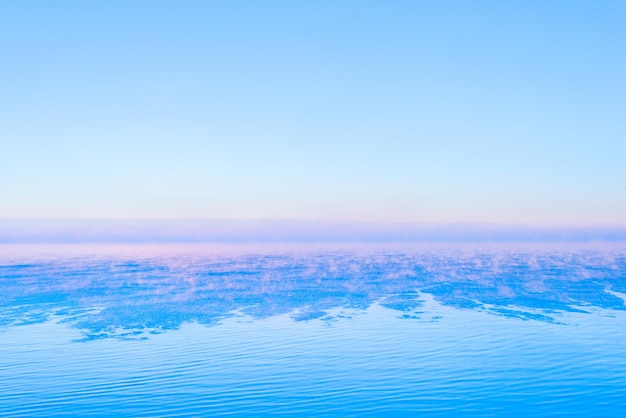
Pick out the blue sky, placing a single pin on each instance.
(387, 111)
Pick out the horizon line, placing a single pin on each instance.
(328, 221)
(28, 230)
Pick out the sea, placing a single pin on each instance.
(320, 330)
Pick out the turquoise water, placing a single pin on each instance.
(312, 330)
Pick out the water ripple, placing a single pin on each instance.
(205, 331)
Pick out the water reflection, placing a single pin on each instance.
(131, 295)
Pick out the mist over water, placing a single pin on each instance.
(320, 330)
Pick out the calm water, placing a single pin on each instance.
(201, 330)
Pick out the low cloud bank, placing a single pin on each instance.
(198, 231)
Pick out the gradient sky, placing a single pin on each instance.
(414, 111)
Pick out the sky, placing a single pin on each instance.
(509, 112)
